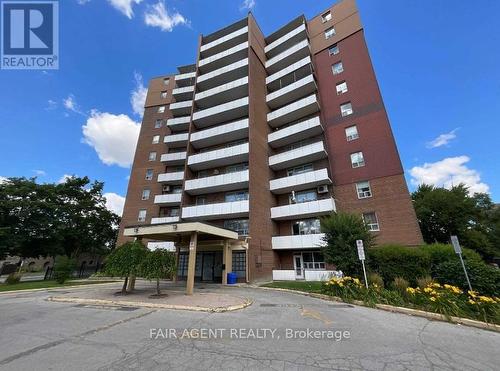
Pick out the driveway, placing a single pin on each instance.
(276, 332)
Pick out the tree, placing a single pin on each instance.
(125, 260)
(341, 232)
(158, 264)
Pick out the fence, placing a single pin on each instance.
(82, 272)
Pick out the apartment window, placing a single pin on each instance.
(149, 174)
(152, 156)
(299, 169)
(334, 49)
(236, 196)
(156, 139)
(346, 109)
(166, 81)
(351, 133)
(158, 123)
(176, 189)
(330, 32)
(201, 200)
(145, 194)
(240, 263)
(175, 212)
(337, 68)
(371, 221)
(142, 216)
(309, 226)
(163, 95)
(313, 260)
(202, 174)
(357, 159)
(236, 168)
(341, 88)
(236, 143)
(325, 17)
(304, 196)
(240, 226)
(161, 109)
(363, 189)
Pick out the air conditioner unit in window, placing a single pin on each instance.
(166, 188)
(323, 189)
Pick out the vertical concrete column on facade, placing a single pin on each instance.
(191, 263)
(227, 257)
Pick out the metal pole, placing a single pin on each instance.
(465, 271)
(364, 272)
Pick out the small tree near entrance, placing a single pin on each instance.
(158, 264)
(341, 232)
(125, 261)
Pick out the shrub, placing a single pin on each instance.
(400, 285)
(63, 268)
(347, 288)
(424, 281)
(158, 264)
(375, 278)
(392, 261)
(125, 260)
(440, 253)
(13, 278)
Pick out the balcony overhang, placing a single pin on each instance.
(300, 182)
(181, 108)
(293, 111)
(223, 75)
(299, 242)
(183, 94)
(290, 93)
(223, 93)
(175, 158)
(288, 57)
(176, 140)
(172, 232)
(218, 183)
(171, 178)
(296, 132)
(165, 220)
(303, 210)
(219, 157)
(172, 199)
(223, 58)
(221, 113)
(220, 134)
(308, 153)
(286, 41)
(224, 42)
(223, 210)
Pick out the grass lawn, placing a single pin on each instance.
(45, 285)
(310, 286)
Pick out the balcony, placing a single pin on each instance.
(171, 199)
(291, 68)
(185, 79)
(220, 134)
(181, 108)
(288, 57)
(293, 111)
(164, 220)
(223, 93)
(223, 58)
(218, 183)
(219, 157)
(299, 242)
(308, 153)
(179, 123)
(286, 41)
(175, 158)
(183, 94)
(176, 140)
(292, 92)
(221, 113)
(300, 182)
(294, 133)
(225, 42)
(223, 210)
(303, 210)
(171, 178)
(223, 75)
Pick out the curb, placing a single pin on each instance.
(247, 302)
(56, 288)
(401, 310)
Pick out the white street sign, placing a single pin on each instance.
(456, 245)
(361, 250)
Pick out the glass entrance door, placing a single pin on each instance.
(298, 264)
(208, 267)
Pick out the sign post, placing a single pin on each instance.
(458, 250)
(361, 256)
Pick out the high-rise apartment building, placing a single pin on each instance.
(262, 136)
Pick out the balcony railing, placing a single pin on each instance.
(296, 132)
(181, 108)
(303, 241)
(286, 41)
(288, 70)
(223, 58)
(293, 111)
(176, 140)
(292, 92)
(222, 210)
(219, 157)
(175, 158)
(308, 153)
(165, 219)
(221, 113)
(183, 94)
(223, 75)
(224, 42)
(222, 93)
(300, 182)
(303, 210)
(169, 199)
(220, 134)
(218, 183)
(288, 57)
(171, 178)
(179, 123)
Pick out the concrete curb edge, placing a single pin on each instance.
(56, 288)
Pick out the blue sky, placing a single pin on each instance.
(437, 64)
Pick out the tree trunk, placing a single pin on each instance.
(131, 283)
(124, 288)
(158, 286)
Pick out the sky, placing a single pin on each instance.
(437, 64)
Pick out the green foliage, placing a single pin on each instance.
(440, 253)
(424, 281)
(375, 278)
(13, 278)
(341, 232)
(400, 285)
(63, 268)
(158, 264)
(125, 260)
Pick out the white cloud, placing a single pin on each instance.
(82, 2)
(3, 179)
(70, 104)
(247, 5)
(114, 137)
(40, 172)
(114, 203)
(157, 16)
(125, 6)
(64, 178)
(443, 139)
(138, 95)
(447, 173)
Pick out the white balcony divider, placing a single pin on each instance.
(303, 209)
(224, 38)
(167, 219)
(285, 71)
(300, 181)
(221, 88)
(287, 53)
(301, 130)
(223, 54)
(285, 38)
(171, 198)
(223, 182)
(309, 152)
(303, 241)
(220, 210)
(171, 177)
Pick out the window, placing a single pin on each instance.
(351, 133)
(334, 49)
(163, 95)
(309, 226)
(341, 88)
(313, 260)
(156, 139)
(142, 216)
(166, 81)
(201, 200)
(330, 32)
(240, 226)
(175, 212)
(237, 167)
(176, 189)
(236, 196)
(371, 221)
(299, 169)
(325, 17)
(240, 263)
(145, 194)
(236, 143)
(346, 109)
(202, 174)
(158, 123)
(161, 109)
(304, 196)
(149, 174)
(363, 189)
(152, 156)
(357, 159)
(337, 68)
